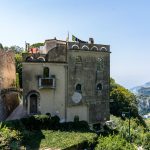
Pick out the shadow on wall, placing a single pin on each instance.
(9, 101)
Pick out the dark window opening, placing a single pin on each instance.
(46, 72)
(78, 88)
(28, 59)
(99, 87)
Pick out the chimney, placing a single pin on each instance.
(91, 40)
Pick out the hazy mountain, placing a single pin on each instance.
(143, 97)
(142, 90)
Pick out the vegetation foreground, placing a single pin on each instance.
(41, 132)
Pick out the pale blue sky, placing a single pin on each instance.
(123, 24)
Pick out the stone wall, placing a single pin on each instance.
(57, 54)
(89, 68)
(7, 70)
(8, 97)
(9, 100)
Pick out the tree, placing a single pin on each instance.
(146, 143)
(122, 100)
(16, 49)
(18, 59)
(37, 45)
(1, 46)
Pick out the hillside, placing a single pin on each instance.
(143, 97)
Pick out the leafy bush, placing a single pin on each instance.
(9, 139)
(113, 142)
(137, 131)
(75, 126)
(54, 123)
(36, 122)
(146, 141)
(13, 124)
(48, 114)
(122, 100)
(35, 45)
(17, 80)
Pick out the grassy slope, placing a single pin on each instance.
(57, 139)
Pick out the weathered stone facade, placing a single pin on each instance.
(7, 69)
(9, 100)
(8, 94)
(89, 68)
(80, 74)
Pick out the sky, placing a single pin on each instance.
(122, 24)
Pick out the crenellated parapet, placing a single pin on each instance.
(88, 47)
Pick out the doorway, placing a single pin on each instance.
(33, 104)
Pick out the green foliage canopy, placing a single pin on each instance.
(18, 59)
(37, 45)
(123, 100)
(1, 46)
(113, 142)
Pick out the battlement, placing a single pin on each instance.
(88, 47)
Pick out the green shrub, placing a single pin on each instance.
(54, 123)
(13, 124)
(75, 126)
(146, 141)
(48, 114)
(17, 80)
(9, 138)
(137, 131)
(81, 126)
(113, 142)
(36, 122)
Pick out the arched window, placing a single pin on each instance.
(103, 49)
(85, 47)
(94, 48)
(75, 46)
(99, 87)
(41, 58)
(46, 72)
(29, 58)
(78, 88)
